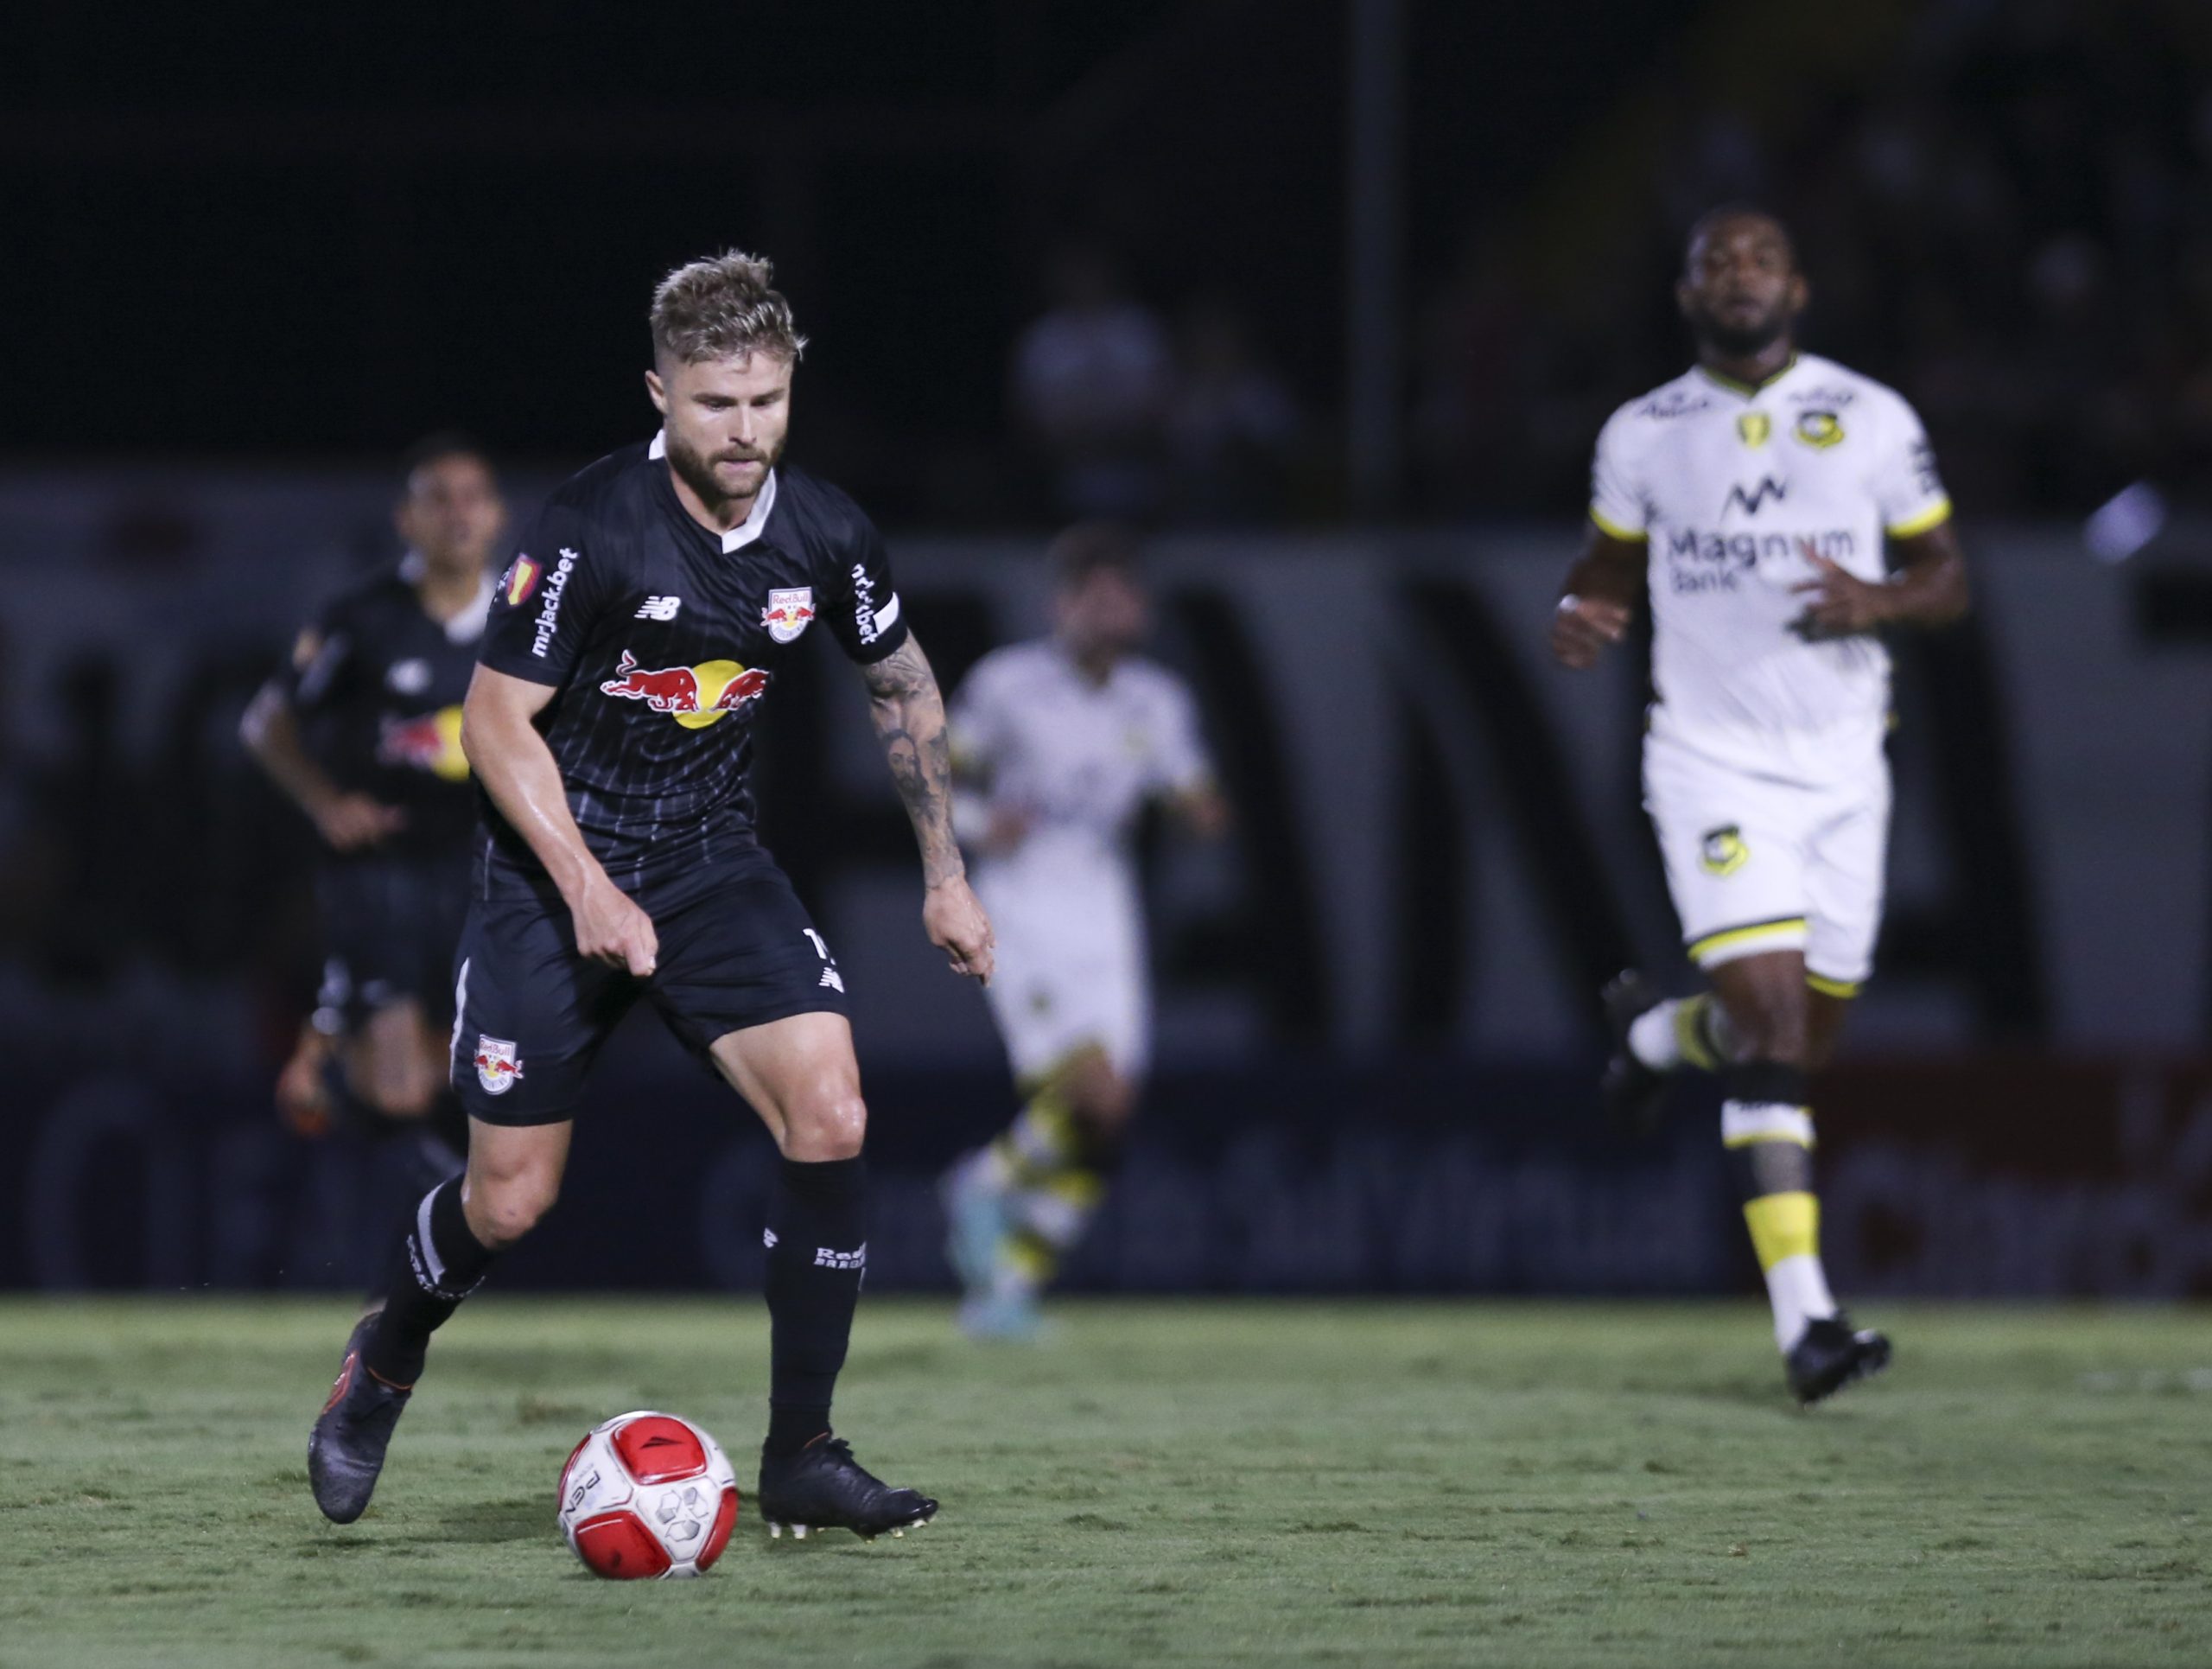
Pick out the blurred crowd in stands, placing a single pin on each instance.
(2007, 214)
(1127, 417)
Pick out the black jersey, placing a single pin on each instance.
(664, 641)
(377, 686)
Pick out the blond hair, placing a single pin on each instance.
(722, 308)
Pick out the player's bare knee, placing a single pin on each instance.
(830, 1126)
(503, 1218)
(1773, 1033)
(503, 1208)
(1100, 1099)
(1768, 1019)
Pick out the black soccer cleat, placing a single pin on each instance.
(1633, 1092)
(823, 1487)
(346, 1450)
(1830, 1355)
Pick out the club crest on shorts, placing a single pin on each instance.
(788, 612)
(1722, 852)
(497, 1065)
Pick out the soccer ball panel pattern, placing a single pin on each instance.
(647, 1495)
(655, 1449)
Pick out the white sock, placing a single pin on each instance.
(1654, 1037)
(1798, 1289)
(1651, 1036)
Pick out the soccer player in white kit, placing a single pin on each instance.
(1783, 511)
(1061, 743)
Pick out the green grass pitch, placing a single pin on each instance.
(1171, 1482)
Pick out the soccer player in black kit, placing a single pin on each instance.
(362, 729)
(632, 646)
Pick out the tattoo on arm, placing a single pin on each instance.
(909, 714)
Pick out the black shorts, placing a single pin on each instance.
(534, 1014)
(389, 925)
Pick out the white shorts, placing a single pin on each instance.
(1067, 978)
(1756, 864)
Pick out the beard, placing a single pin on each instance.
(1742, 340)
(696, 469)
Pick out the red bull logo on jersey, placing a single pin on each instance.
(694, 696)
(430, 742)
(497, 1065)
(788, 612)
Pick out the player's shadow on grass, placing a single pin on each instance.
(519, 1517)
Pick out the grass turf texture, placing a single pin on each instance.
(1201, 1482)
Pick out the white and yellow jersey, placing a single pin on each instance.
(1078, 760)
(1736, 489)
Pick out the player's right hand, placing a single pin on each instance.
(953, 917)
(611, 928)
(351, 821)
(1583, 627)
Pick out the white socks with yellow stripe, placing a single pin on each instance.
(1053, 1191)
(1686, 1031)
(1767, 1129)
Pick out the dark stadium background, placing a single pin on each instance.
(253, 251)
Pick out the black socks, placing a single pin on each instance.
(439, 1264)
(818, 1253)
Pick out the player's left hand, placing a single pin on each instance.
(954, 919)
(1842, 603)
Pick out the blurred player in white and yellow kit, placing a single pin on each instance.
(1782, 511)
(1061, 743)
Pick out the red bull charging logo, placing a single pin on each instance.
(497, 1065)
(430, 742)
(694, 696)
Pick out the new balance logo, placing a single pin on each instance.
(831, 978)
(768, 1238)
(829, 1257)
(1751, 502)
(660, 608)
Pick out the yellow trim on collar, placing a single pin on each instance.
(1746, 389)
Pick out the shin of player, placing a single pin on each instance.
(1781, 512)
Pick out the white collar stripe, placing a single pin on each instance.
(756, 519)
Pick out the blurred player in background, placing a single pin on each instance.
(629, 651)
(1065, 740)
(1784, 511)
(363, 730)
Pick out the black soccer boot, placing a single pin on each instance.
(1633, 1092)
(346, 1450)
(823, 1487)
(1830, 1355)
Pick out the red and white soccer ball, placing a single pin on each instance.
(646, 1495)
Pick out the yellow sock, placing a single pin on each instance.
(1053, 1194)
(1783, 1225)
(1786, 1235)
(1693, 1041)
